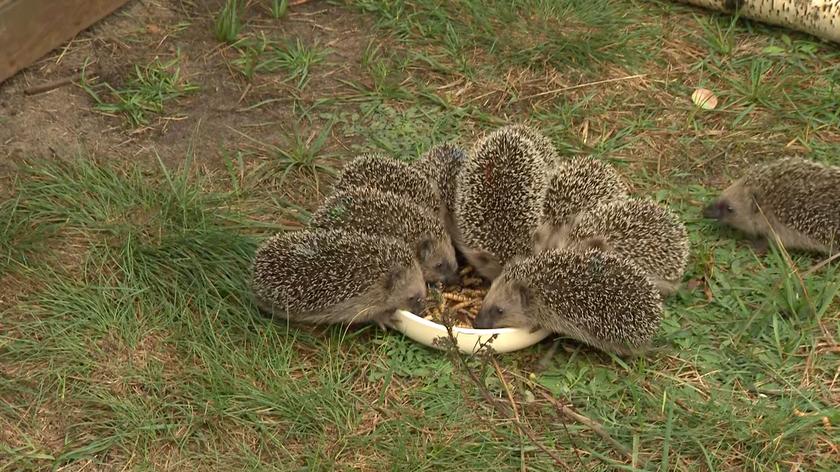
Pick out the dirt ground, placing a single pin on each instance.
(61, 122)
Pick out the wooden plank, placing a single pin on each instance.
(29, 29)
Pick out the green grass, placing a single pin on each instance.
(263, 56)
(128, 338)
(279, 8)
(142, 94)
(228, 22)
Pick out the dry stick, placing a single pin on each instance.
(590, 423)
(574, 87)
(492, 401)
(821, 265)
(515, 412)
(47, 86)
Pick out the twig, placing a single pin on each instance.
(507, 389)
(596, 427)
(574, 87)
(522, 466)
(821, 265)
(499, 407)
(47, 86)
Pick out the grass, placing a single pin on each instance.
(260, 55)
(228, 22)
(142, 94)
(279, 8)
(128, 338)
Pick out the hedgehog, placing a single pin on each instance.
(598, 298)
(372, 211)
(332, 276)
(544, 145)
(386, 174)
(441, 166)
(796, 199)
(640, 230)
(498, 199)
(575, 186)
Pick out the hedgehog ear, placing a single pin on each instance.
(524, 293)
(393, 277)
(754, 203)
(537, 236)
(425, 249)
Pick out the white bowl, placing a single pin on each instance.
(469, 340)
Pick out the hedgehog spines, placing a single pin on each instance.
(579, 184)
(331, 276)
(646, 233)
(598, 298)
(372, 211)
(499, 196)
(792, 198)
(380, 172)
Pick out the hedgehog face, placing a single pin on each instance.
(437, 258)
(504, 306)
(486, 264)
(736, 207)
(405, 289)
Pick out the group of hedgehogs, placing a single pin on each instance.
(564, 244)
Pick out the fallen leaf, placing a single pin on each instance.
(704, 99)
(694, 283)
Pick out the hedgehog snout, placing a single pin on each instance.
(451, 278)
(416, 304)
(487, 317)
(713, 210)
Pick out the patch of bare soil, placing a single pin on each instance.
(61, 122)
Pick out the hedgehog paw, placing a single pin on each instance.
(760, 246)
(387, 321)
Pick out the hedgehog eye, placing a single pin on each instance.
(439, 266)
(729, 209)
(498, 311)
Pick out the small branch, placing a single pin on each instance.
(498, 406)
(575, 87)
(596, 427)
(47, 86)
(522, 466)
(821, 265)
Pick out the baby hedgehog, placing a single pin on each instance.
(795, 198)
(336, 277)
(541, 142)
(374, 212)
(385, 174)
(441, 166)
(498, 200)
(640, 230)
(575, 186)
(597, 298)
